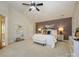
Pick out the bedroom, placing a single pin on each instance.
(56, 19)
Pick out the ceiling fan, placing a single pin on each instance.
(33, 5)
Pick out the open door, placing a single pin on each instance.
(1, 33)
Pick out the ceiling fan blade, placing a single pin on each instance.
(40, 4)
(26, 4)
(37, 9)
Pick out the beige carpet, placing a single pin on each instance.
(27, 48)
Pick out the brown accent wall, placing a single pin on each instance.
(65, 22)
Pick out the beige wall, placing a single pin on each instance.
(17, 18)
(75, 19)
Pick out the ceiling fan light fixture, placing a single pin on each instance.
(32, 7)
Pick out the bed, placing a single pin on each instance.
(49, 40)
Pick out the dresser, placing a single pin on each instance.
(74, 46)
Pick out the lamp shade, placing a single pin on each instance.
(61, 29)
(39, 29)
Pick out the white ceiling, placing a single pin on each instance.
(49, 11)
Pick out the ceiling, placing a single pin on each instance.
(49, 11)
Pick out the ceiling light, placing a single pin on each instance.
(32, 7)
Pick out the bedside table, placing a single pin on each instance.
(60, 37)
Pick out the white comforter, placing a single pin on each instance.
(45, 39)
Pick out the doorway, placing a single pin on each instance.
(2, 31)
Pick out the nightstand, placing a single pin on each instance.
(60, 37)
